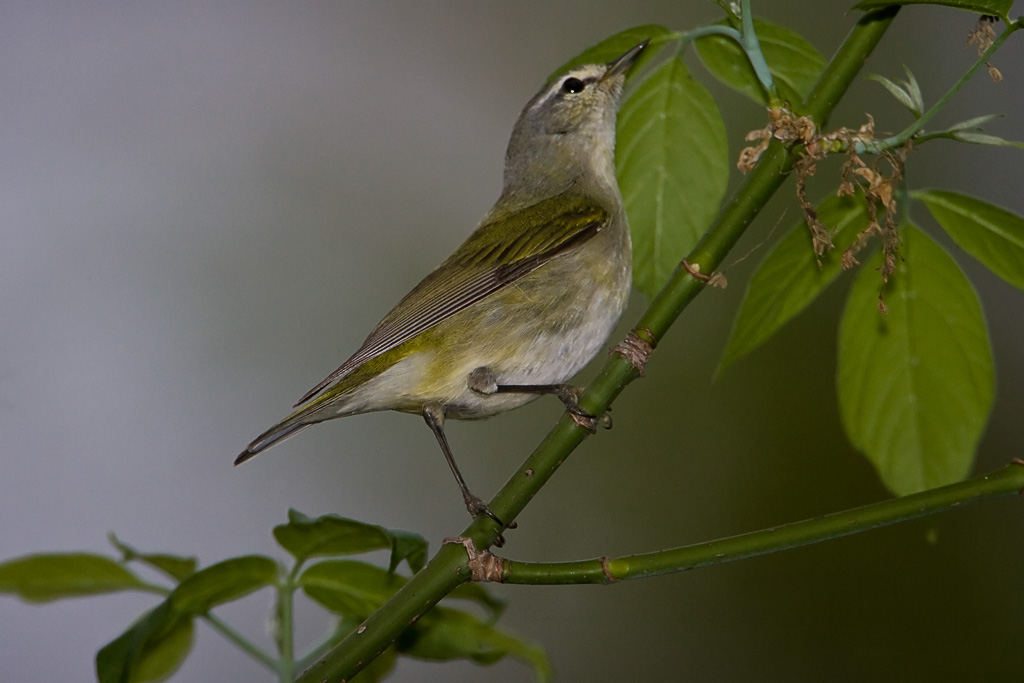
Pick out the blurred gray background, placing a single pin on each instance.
(205, 208)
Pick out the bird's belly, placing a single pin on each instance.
(550, 358)
(535, 344)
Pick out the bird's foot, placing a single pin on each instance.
(569, 395)
(477, 508)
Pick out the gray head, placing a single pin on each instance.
(566, 133)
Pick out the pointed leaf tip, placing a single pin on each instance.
(53, 576)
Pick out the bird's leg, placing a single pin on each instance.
(483, 381)
(434, 416)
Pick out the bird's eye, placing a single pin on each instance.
(573, 85)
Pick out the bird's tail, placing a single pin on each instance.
(290, 426)
(324, 407)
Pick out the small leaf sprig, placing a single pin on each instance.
(156, 645)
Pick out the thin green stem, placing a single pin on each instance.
(901, 138)
(712, 30)
(748, 42)
(285, 635)
(752, 48)
(1004, 482)
(241, 641)
(285, 631)
(448, 568)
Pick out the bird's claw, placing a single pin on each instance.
(477, 508)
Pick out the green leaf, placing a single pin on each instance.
(152, 649)
(673, 167)
(408, 546)
(907, 93)
(223, 582)
(976, 138)
(443, 634)
(480, 595)
(789, 278)
(348, 587)
(615, 46)
(970, 131)
(306, 537)
(355, 589)
(975, 123)
(913, 89)
(52, 576)
(730, 8)
(793, 62)
(999, 8)
(916, 385)
(989, 233)
(901, 95)
(174, 566)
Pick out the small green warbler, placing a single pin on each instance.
(525, 303)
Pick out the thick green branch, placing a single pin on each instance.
(1007, 481)
(285, 634)
(448, 568)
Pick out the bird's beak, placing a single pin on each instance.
(622, 64)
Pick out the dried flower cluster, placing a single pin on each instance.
(983, 35)
(878, 187)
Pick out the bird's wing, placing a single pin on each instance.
(497, 254)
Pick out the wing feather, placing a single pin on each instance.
(484, 264)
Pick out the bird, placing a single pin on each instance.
(524, 303)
